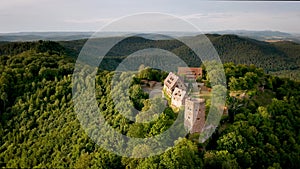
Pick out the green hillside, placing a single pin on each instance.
(235, 49)
(39, 127)
(275, 58)
(280, 58)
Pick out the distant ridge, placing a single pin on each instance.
(265, 35)
(53, 36)
(282, 56)
(63, 36)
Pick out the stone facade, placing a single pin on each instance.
(178, 97)
(191, 73)
(194, 108)
(194, 114)
(171, 82)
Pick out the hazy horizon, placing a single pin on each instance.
(90, 15)
(91, 31)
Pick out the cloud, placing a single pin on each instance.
(14, 3)
(194, 16)
(205, 16)
(94, 20)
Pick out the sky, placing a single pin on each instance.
(91, 15)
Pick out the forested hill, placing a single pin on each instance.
(273, 57)
(269, 56)
(39, 128)
(14, 48)
(279, 58)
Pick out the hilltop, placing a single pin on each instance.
(39, 127)
(279, 58)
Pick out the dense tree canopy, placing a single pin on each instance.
(39, 127)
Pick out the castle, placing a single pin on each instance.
(173, 81)
(194, 114)
(190, 73)
(194, 108)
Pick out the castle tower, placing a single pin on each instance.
(171, 82)
(178, 97)
(194, 114)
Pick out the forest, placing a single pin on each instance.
(39, 127)
(277, 58)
